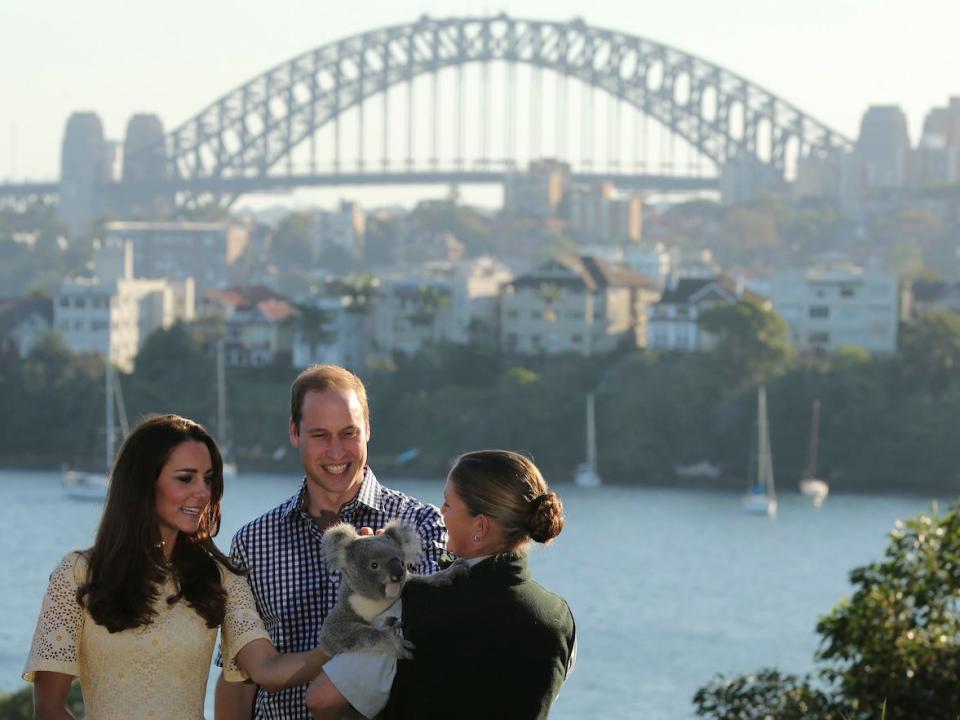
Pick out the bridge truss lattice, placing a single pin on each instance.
(259, 128)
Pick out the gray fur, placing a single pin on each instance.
(369, 566)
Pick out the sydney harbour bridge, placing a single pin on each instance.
(466, 100)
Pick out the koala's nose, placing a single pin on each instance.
(396, 569)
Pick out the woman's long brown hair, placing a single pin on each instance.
(127, 568)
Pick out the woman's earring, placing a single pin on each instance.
(476, 538)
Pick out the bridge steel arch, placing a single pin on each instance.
(252, 129)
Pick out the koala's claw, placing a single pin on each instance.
(404, 648)
(459, 569)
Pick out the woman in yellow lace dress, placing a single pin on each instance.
(135, 617)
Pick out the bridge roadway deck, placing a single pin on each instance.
(265, 183)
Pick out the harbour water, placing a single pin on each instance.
(669, 587)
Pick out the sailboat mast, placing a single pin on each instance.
(814, 440)
(110, 440)
(765, 469)
(221, 395)
(591, 433)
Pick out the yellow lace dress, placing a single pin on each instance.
(156, 671)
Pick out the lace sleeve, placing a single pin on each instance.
(56, 641)
(241, 624)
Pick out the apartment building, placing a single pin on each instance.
(115, 317)
(258, 324)
(582, 304)
(442, 301)
(839, 303)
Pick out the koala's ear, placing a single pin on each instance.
(405, 535)
(336, 540)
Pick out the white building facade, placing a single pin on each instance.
(842, 304)
(115, 318)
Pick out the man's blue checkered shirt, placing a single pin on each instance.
(291, 584)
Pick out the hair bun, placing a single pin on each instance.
(546, 517)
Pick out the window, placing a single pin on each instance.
(535, 314)
(847, 292)
(820, 338)
(819, 311)
(576, 339)
(512, 313)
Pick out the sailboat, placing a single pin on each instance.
(810, 486)
(229, 466)
(761, 497)
(586, 474)
(81, 485)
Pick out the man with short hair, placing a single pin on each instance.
(294, 590)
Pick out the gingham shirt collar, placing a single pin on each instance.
(369, 495)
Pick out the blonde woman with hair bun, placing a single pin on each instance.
(496, 643)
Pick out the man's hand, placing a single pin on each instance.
(365, 531)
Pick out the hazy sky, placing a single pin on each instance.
(831, 58)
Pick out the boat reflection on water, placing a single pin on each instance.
(761, 497)
(585, 474)
(811, 486)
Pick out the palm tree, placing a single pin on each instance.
(429, 302)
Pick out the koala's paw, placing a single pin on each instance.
(459, 569)
(402, 648)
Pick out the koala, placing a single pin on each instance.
(373, 571)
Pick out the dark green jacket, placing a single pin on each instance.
(494, 645)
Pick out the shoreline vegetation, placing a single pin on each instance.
(722, 485)
(888, 423)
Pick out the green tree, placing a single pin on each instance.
(892, 648)
(442, 216)
(751, 345)
(291, 241)
(429, 302)
(361, 290)
(896, 641)
(175, 372)
(748, 235)
(765, 695)
(930, 350)
(810, 228)
(314, 324)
